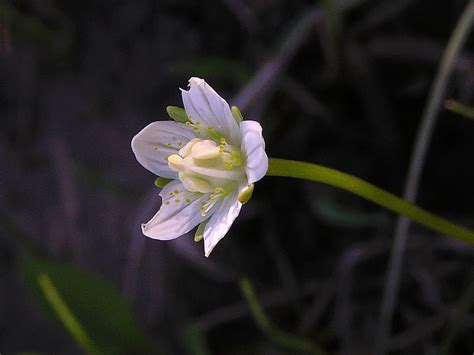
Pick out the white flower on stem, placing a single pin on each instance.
(213, 158)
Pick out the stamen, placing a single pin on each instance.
(175, 162)
(205, 149)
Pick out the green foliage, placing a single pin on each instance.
(460, 108)
(246, 194)
(98, 179)
(177, 113)
(237, 114)
(284, 340)
(199, 235)
(161, 182)
(88, 306)
(195, 341)
(64, 313)
(26, 26)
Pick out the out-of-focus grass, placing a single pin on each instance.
(64, 313)
(417, 161)
(90, 308)
(195, 341)
(331, 212)
(96, 178)
(280, 338)
(31, 28)
(460, 108)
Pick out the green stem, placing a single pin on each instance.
(318, 173)
(279, 337)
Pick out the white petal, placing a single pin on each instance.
(202, 103)
(156, 142)
(219, 224)
(178, 214)
(253, 147)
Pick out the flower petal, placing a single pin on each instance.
(202, 103)
(178, 214)
(156, 142)
(219, 224)
(253, 146)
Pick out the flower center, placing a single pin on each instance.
(205, 166)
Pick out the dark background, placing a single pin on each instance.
(79, 79)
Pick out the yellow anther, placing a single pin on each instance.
(177, 200)
(156, 148)
(169, 144)
(245, 194)
(218, 190)
(175, 162)
(187, 200)
(167, 203)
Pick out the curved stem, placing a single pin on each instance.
(335, 178)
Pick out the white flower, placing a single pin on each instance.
(213, 159)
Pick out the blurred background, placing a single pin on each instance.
(339, 83)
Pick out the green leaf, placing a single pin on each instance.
(237, 114)
(64, 313)
(90, 308)
(177, 113)
(161, 182)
